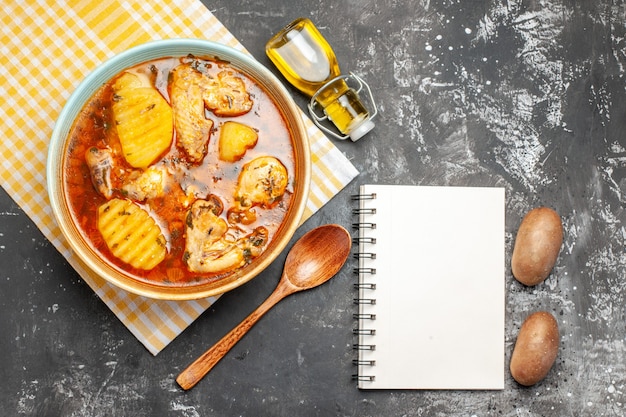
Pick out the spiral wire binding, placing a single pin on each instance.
(357, 197)
(361, 285)
(365, 239)
(358, 270)
(358, 211)
(358, 316)
(364, 225)
(362, 362)
(358, 346)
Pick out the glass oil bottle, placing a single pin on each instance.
(308, 62)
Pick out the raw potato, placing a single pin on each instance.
(536, 348)
(143, 120)
(131, 234)
(235, 139)
(537, 246)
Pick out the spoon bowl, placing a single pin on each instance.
(317, 256)
(314, 259)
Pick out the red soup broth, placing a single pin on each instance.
(95, 126)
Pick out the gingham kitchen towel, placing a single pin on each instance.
(47, 48)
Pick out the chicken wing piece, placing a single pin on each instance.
(262, 182)
(192, 127)
(100, 163)
(227, 95)
(146, 184)
(209, 245)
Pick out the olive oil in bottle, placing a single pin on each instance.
(307, 61)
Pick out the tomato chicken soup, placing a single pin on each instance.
(179, 170)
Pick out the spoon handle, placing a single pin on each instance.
(201, 366)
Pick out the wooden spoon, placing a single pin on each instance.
(312, 260)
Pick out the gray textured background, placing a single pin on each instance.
(527, 95)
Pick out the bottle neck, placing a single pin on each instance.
(331, 91)
(342, 105)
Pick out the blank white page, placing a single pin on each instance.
(440, 300)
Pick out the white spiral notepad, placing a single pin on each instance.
(431, 299)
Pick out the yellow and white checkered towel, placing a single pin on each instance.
(48, 47)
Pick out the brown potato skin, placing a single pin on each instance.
(536, 348)
(537, 246)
